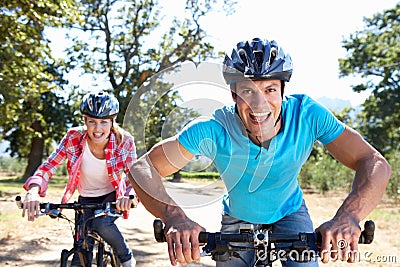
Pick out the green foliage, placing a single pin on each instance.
(200, 164)
(29, 77)
(380, 119)
(324, 173)
(200, 175)
(373, 55)
(11, 166)
(393, 187)
(54, 114)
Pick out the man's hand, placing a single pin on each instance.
(182, 238)
(339, 239)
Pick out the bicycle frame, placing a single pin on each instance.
(80, 245)
(80, 234)
(77, 245)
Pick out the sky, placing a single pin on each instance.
(310, 31)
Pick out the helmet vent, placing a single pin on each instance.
(272, 55)
(243, 57)
(258, 60)
(90, 104)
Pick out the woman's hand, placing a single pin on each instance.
(124, 203)
(31, 203)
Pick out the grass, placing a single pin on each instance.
(13, 185)
(11, 223)
(18, 179)
(387, 217)
(386, 214)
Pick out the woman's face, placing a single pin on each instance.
(98, 129)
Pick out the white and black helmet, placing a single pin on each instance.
(99, 105)
(257, 60)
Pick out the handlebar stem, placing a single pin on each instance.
(261, 238)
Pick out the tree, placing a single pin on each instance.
(373, 54)
(119, 41)
(29, 79)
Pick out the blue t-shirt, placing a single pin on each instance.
(262, 185)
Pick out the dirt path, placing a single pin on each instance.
(39, 244)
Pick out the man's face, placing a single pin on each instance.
(259, 105)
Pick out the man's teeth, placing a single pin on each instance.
(261, 114)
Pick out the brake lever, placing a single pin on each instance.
(107, 212)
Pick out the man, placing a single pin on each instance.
(258, 146)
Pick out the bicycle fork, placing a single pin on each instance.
(78, 247)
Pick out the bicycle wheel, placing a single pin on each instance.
(110, 259)
(106, 257)
(101, 256)
(67, 256)
(114, 260)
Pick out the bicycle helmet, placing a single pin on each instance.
(257, 60)
(99, 105)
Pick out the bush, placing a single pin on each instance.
(200, 175)
(324, 173)
(393, 187)
(12, 166)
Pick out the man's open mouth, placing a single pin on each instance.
(259, 116)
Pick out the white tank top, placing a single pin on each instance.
(94, 179)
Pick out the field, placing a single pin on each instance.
(39, 244)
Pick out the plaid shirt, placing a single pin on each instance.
(119, 159)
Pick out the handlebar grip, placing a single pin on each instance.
(18, 201)
(159, 230)
(134, 201)
(367, 236)
(203, 237)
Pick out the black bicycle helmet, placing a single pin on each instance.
(99, 105)
(257, 60)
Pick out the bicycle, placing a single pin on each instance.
(104, 253)
(301, 247)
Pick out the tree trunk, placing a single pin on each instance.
(177, 176)
(36, 153)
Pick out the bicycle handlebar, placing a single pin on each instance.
(50, 208)
(315, 238)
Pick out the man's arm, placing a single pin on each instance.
(372, 173)
(146, 176)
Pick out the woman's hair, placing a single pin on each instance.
(117, 130)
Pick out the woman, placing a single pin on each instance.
(99, 155)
